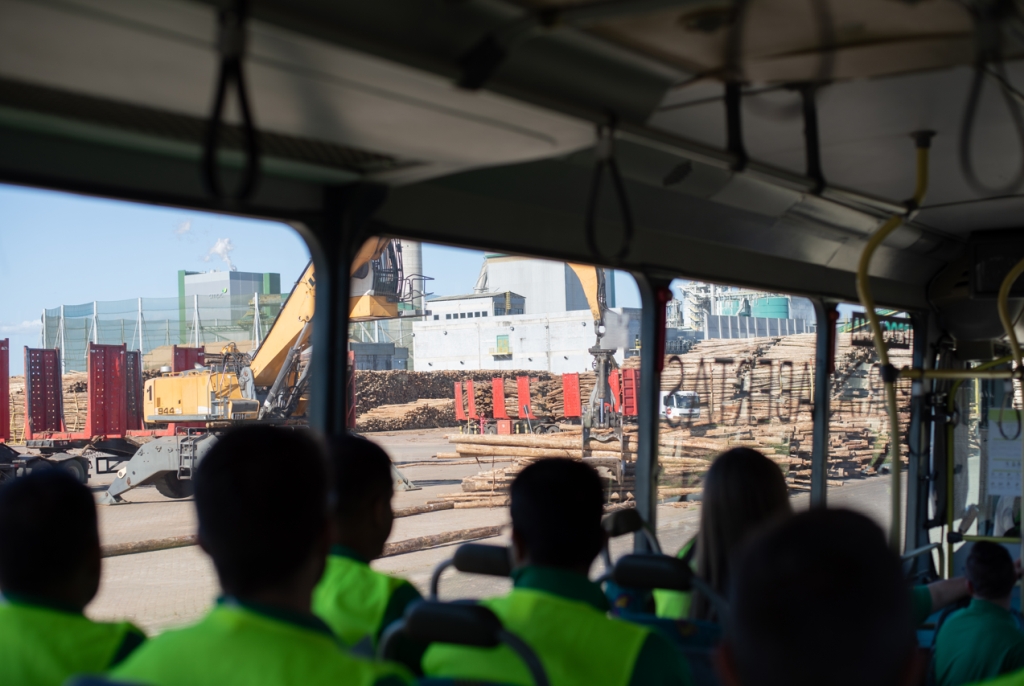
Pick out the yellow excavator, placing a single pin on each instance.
(596, 414)
(269, 386)
(272, 384)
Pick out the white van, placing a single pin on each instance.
(680, 404)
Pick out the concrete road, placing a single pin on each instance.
(163, 589)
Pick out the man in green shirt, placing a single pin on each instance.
(556, 508)
(981, 641)
(807, 585)
(262, 502)
(929, 599)
(357, 602)
(49, 572)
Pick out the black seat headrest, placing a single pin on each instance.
(479, 558)
(464, 624)
(653, 571)
(623, 522)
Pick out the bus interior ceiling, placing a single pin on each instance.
(759, 143)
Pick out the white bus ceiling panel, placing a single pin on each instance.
(542, 203)
(780, 37)
(163, 57)
(864, 131)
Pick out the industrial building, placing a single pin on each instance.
(547, 286)
(713, 311)
(215, 286)
(476, 305)
(555, 342)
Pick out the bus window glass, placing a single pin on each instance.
(983, 443)
(144, 333)
(739, 372)
(858, 422)
(470, 365)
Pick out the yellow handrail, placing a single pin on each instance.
(923, 143)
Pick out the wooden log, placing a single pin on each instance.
(147, 546)
(421, 509)
(535, 441)
(513, 451)
(411, 545)
(670, 492)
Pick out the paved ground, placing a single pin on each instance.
(163, 589)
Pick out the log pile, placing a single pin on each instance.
(76, 400)
(755, 393)
(422, 414)
(376, 388)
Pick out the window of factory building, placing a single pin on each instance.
(738, 373)
(125, 376)
(517, 358)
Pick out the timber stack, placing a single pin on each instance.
(76, 402)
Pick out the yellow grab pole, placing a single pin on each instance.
(923, 142)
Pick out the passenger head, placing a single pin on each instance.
(363, 488)
(556, 508)
(262, 500)
(743, 489)
(990, 572)
(49, 542)
(810, 583)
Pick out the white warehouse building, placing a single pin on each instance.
(555, 342)
(547, 286)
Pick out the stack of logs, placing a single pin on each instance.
(422, 414)
(755, 393)
(76, 400)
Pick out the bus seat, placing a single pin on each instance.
(474, 558)
(460, 623)
(623, 523)
(696, 640)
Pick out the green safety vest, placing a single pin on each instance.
(576, 643)
(44, 646)
(676, 604)
(356, 601)
(254, 646)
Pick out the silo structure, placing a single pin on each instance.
(412, 264)
(772, 307)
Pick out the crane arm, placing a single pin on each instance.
(295, 314)
(298, 309)
(592, 280)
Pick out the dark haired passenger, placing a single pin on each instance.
(982, 641)
(49, 571)
(357, 602)
(815, 581)
(743, 490)
(556, 535)
(268, 533)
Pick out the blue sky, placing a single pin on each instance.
(64, 249)
(59, 248)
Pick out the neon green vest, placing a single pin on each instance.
(576, 643)
(40, 646)
(236, 645)
(352, 598)
(675, 604)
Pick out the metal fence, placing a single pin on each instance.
(724, 326)
(145, 324)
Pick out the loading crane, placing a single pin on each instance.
(269, 386)
(598, 414)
